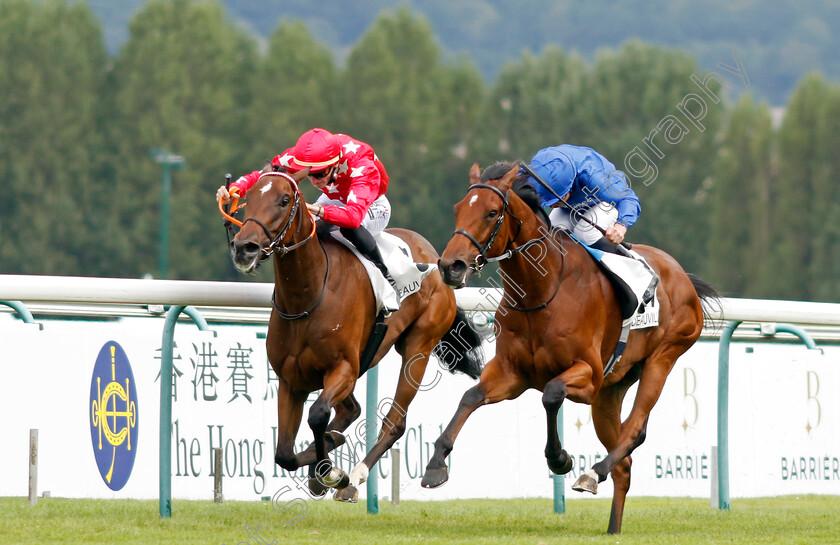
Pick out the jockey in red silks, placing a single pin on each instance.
(353, 183)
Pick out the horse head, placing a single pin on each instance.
(276, 212)
(484, 224)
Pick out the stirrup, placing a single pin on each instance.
(650, 292)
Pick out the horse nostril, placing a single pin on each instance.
(244, 249)
(457, 268)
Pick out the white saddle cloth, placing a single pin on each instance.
(397, 257)
(634, 274)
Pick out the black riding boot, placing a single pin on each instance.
(376, 258)
(364, 242)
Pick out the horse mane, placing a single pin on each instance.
(521, 186)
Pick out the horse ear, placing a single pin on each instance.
(475, 174)
(509, 177)
(300, 175)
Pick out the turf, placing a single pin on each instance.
(790, 519)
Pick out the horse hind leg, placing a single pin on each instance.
(415, 350)
(606, 417)
(632, 431)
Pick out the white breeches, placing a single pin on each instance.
(602, 214)
(376, 218)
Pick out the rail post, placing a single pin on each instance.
(560, 480)
(372, 398)
(165, 453)
(723, 398)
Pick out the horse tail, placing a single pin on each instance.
(460, 348)
(709, 297)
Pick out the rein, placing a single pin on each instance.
(306, 313)
(481, 259)
(276, 245)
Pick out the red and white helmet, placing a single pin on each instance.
(317, 149)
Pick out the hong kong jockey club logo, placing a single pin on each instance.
(113, 415)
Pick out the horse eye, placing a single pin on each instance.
(493, 214)
(285, 201)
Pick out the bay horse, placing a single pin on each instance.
(560, 323)
(323, 315)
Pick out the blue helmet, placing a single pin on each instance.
(557, 170)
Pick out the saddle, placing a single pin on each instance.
(396, 254)
(632, 279)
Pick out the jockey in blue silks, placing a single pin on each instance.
(592, 188)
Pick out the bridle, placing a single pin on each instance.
(277, 246)
(481, 259)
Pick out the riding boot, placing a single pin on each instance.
(366, 245)
(375, 257)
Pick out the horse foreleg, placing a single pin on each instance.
(338, 384)
(575, 383)
(289, 412)
(345, 413)
(558, 459)
(496, 384)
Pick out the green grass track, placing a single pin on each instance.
(659, 521)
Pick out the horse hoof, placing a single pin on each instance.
(349, 494)
(337, 478)
(359, 474)
(435, 477)
(587, 482)
(561, 469)
(316, 487)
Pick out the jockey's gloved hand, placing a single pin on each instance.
(224, 194)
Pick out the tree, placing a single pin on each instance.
(182, 83)
(806, 263)
(396, 96)
(534, 103)
(626, 98)
(54, 61)
(647, 115)
(740, 216)
(294, 91)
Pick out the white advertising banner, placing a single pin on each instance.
(91, 387)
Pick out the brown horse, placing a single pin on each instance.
(324, 313)
(559, 322)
